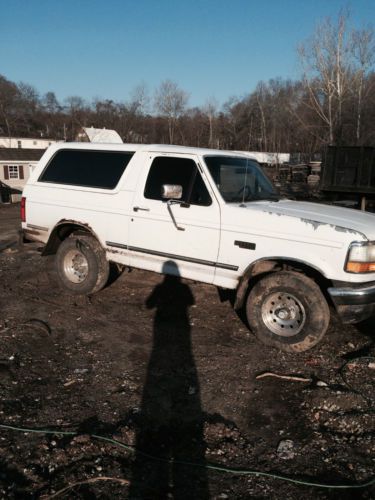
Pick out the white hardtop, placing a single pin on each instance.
(149, 148)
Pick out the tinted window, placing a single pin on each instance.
(182, 171)
(96, 169)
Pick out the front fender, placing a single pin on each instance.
(267, 265)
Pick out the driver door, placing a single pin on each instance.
(187, 232)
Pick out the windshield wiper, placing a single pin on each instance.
(265, 197)
(271, 197)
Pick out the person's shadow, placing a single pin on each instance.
(170, 423)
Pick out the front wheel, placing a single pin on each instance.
(81, 264)
(287, 310)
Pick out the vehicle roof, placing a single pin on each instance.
(162, 148)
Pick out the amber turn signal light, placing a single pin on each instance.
(360, 267)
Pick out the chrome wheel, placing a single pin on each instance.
(75, 266)
(283, 314)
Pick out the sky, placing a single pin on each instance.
(213, 49)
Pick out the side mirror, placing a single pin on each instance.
(171, 191)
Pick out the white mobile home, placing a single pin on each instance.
(15, 166)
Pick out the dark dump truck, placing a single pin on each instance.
(348, 176)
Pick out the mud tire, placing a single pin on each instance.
(310, 311)
(96, 269)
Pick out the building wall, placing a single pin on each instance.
(25, 142)
(15, 178)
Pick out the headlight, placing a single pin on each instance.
(361, 257)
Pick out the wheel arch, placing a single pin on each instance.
(63, 230)
(264, 266)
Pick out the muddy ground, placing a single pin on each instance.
(169, 368)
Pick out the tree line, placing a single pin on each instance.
(333, 102)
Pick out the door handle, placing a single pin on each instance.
(141, 208)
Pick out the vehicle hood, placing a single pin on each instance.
(316, 215)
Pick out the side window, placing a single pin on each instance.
(181, 171)
(95, 169)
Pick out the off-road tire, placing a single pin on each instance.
(287, 310)
(92, 275)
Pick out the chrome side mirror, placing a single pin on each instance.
(171, 191)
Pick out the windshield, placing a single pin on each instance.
(239, 179)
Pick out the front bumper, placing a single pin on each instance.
(354, 303)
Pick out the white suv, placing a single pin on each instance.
(207, 215)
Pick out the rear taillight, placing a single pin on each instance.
(23, 209)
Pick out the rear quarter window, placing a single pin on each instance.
(95, 169)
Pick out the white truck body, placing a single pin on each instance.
(216, 243)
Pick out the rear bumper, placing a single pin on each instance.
(354, 304)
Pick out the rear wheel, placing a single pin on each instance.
(81, 264)
(287, 310)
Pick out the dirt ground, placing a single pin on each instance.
(169, 369)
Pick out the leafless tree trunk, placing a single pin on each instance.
(170, 101)
(210, 109)
(363, 47)
(326, 67)
(250, 133)
(260, 98)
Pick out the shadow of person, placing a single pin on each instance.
(170, 423)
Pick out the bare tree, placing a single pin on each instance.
(77, 112)
(170, 101)
(51, 112)
(9, 105)
(210, 109)
(327, 72)
(50, 103)
(363, 47)
(140, 99)
(28, 94)
(261, 97)
(30, 104)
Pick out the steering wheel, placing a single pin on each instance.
(246, 190)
